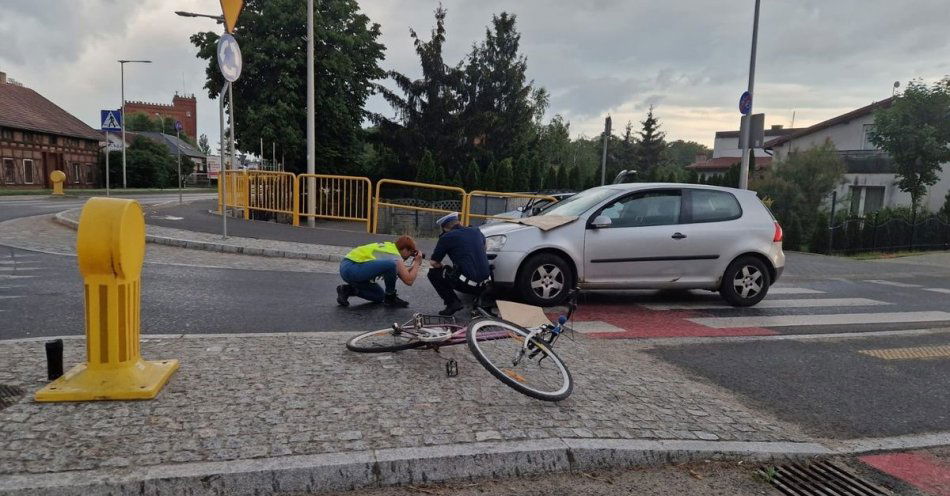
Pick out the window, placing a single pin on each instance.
(866, 138)
(74, 173)
(88, 170)
(9, 171)
(6, 134)
(866, 200)
(652, 208)
(28, 171)
(54, 140)
(708, 205)
(27, 137)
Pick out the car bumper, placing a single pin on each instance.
(505, 266)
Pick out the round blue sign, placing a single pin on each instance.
(745, 103)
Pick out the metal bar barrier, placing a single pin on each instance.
(468, 215)
(269, 191)
(396, 182)
(233, 189)
(346, 198)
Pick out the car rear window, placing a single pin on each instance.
(713, 206)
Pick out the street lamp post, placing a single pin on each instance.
(122, 71)
(311, 124)
(747, 129)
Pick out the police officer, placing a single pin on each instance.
(364, 264)
(466, 247)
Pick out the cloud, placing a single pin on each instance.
(688, 58)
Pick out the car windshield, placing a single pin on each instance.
(579, 203)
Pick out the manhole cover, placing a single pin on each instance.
(9, 395)
(820, 479)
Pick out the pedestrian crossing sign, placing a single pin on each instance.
(111, 120)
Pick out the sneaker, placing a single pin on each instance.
(343, 292)
(451, 308)
(392, 300)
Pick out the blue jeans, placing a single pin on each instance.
(362, 276)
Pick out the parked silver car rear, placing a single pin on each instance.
(644, 236)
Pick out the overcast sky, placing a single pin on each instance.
(688, 58)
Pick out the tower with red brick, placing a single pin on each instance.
(183, 108)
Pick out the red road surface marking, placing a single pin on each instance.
(639, 322)
(919, 469)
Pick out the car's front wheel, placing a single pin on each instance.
(745, 282)
(545, 280)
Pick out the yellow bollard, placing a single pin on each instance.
(110, 248)
(57, 177)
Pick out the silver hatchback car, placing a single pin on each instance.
(643, 236)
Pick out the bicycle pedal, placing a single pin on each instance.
(451, 368)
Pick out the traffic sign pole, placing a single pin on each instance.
(107, 163)
(744, 170)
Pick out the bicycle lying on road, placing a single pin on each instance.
(522, 358)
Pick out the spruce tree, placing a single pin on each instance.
(651, 146)
(550, 180)
(534, 176)
(490, 180)
(504, 179)
(575, 182)
(562, 180)
(471, 181)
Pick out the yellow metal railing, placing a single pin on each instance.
(347, 198)
(436, 187)
(275, 192)
(232, 190)
(468, 215)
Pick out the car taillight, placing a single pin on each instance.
(778, 233)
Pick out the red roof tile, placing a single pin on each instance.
(23, 108)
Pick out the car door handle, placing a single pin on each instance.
(679, 236)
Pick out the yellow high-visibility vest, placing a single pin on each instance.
(368, 252)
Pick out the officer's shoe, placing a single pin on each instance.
(451, 308)
(392, 300)
(343, 292)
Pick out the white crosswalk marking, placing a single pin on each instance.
(797, 303)
(938, 290)
(793, 291)
(814, 320)
(590, 326)
(892, 283)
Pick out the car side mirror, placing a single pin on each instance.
(601, 221)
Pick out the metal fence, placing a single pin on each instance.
(347, 198)
(483, 206)
(895, 234)
(412, 208)
(273, 192)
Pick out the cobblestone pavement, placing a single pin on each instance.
(273, 395)
(42, 234)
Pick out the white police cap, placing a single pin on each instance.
(454, 216)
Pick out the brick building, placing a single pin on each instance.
(183, 108)
(38, 137)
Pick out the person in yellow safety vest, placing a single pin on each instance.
(364, 264)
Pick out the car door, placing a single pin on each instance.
(641, 246)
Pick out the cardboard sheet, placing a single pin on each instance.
(524, 315)
(544, 222)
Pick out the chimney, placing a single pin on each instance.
(3, 78)
(700, 157)
(776, 127)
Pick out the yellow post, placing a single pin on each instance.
(246, 195)
(57, 177)
(110, 248)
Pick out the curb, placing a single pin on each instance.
(60, 218)
(398, 466)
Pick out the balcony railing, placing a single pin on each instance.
(867, 161)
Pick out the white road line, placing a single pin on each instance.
(798, 303)
(17, 269)
(793, 291)
(587, 327)
(11, 287)
(816, 320)
(2, 297)
(3, 276)
(892, 283)
(938, 290)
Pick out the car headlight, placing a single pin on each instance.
(495, 243)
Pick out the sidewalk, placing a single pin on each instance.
(298, 412)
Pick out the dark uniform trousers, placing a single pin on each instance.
(446, 282)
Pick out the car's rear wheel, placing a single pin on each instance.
(545, 280)
(745, 282)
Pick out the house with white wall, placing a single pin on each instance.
(726, 153)
(870, 182)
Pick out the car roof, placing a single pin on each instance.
(638, 186)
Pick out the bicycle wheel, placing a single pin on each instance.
(537, 372)
(383, 341)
